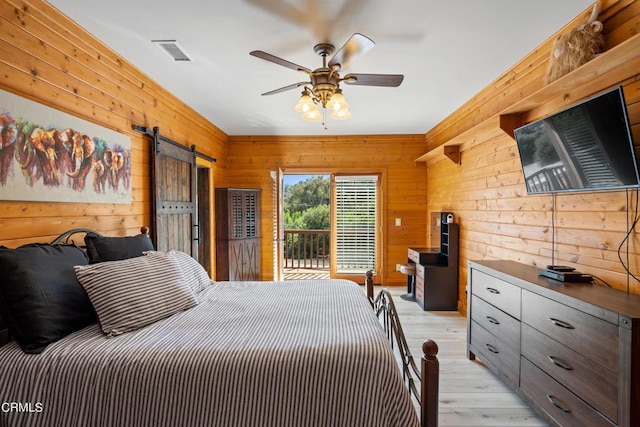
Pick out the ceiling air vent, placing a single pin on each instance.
(172, 48)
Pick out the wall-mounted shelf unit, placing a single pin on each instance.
(606, 70)
(493, 127)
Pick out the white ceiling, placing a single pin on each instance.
(447, 50)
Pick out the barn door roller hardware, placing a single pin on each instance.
(155, 134)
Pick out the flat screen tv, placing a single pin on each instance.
(585, 147)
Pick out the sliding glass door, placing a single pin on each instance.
(355, 232)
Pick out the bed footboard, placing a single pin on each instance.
(429, 380)
(429, 373)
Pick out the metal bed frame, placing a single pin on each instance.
(429, 373)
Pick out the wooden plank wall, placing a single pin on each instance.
(250, 160)
(497, 219)
(46, 57)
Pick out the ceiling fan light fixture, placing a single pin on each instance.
(312, 115)
(343, 114)
(337, 101)
(323, 87)
(305, 103)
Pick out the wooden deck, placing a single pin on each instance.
(305, 274)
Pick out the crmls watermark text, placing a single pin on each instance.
(21, 407)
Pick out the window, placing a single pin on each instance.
(355, 217)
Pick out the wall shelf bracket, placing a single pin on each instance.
(453, 153)
(510, 122)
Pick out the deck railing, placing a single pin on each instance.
(306, 249)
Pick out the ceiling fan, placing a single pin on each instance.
(323, 86)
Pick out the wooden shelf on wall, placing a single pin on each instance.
(609, 68)
(469, 138)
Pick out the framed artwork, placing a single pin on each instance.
(50, 156)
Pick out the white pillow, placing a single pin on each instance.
(135, 292)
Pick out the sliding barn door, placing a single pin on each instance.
(175, 192)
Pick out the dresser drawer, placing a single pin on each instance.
(420, 290)
(420, 271)
(596, 385)
(495, 352)
(425, 255)
(413, 256)
(592, 337)
(496, 322)
(496, 292)
(559, 403)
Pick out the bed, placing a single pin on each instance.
(296, 353)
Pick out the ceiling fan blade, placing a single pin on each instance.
(272, 58)
(284, 10)
(349, 10)
(388, 80)
(357, 45)
(286, 88)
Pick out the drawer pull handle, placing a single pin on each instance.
(558, 403)
(560, 323)
(493, 320)
(493, 291)
(492, 349)
(560, 363)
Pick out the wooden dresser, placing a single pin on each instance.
(571, 350)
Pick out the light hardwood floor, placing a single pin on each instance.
(470, 395)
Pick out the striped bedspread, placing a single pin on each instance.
(299, 353)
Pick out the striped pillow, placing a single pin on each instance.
(193, 272)
(135, 292)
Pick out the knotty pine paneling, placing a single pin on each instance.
(621, 21)
(48, 58)
(498, 220)
(250, 160)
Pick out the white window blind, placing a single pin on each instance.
(275, 191)
(355, 223)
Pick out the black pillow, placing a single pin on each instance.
(40, 297)
(100, 248)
